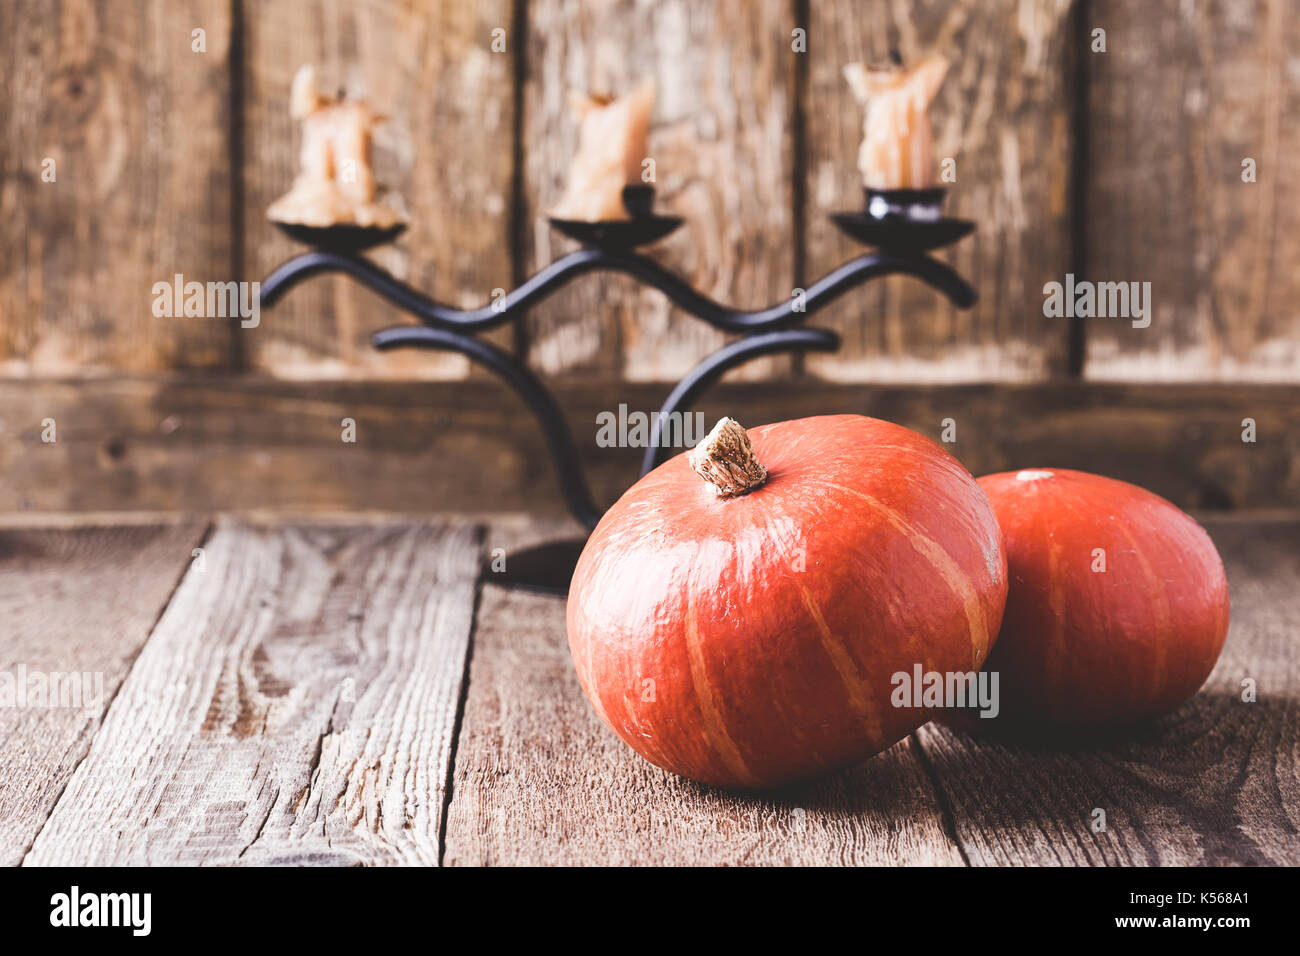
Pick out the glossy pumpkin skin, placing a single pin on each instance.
(749, 641)
(1082, 647)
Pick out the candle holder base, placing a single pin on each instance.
(344, 237)
(618, 234)
(614, 235)
(901, 237)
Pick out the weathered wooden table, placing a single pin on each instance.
(343, 692)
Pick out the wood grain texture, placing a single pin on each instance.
(540, 781)
(1216, 783)
(245, 445)
(446, 151)
(296, 701)
(1003, 114)
(723, 157)
(82, 602)
(1184, 93)
(294, 705)
(135, 123)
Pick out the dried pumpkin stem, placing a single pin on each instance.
(726, 460)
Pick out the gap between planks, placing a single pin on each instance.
(74, 601)
(538, 780)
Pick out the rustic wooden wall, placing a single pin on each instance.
(1117, 165)
(724, 160)
(446, 149)
(1184, 94)
(136, 125)
(251, 443)
(1004, 115)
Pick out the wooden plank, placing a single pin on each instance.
(724, 161)
(248, 445)
(1215, 783)
(446, 150)
(1003, 114)
(1184, 93)
(136, 125)
(539, 780)
(295, 705)
(74, 601)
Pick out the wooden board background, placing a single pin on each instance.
(1004, 115)
(1118, 165)
(1184, 93)
(136, 125)
(446, 151)
(724, 75)
(248, 444)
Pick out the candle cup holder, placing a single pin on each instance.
(608, 247)
(344, 237)
(639, 201)
(903, 221)
(905, 205)
(643, 228)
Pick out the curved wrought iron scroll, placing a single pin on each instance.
(564, 455)
(721, 361)
(766, 331)
(787, 312)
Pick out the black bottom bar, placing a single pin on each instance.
(460, 911)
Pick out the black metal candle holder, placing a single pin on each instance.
(903, 221)
(903, 224)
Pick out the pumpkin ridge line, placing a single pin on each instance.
(860, 696)
(793, 724)
(1056, 601)
(942, 562)
(714, 730)
(1160, 606)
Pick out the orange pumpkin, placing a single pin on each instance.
(739, 614)
(1118, 603)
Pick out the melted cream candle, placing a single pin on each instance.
(337, 183)
(611, 149)
(897, 145)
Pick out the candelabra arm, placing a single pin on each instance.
(559, 439)
(791, 311)
(725, 358)
(937, 275)
(301, 268)
(431, 313)
(787, 312)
